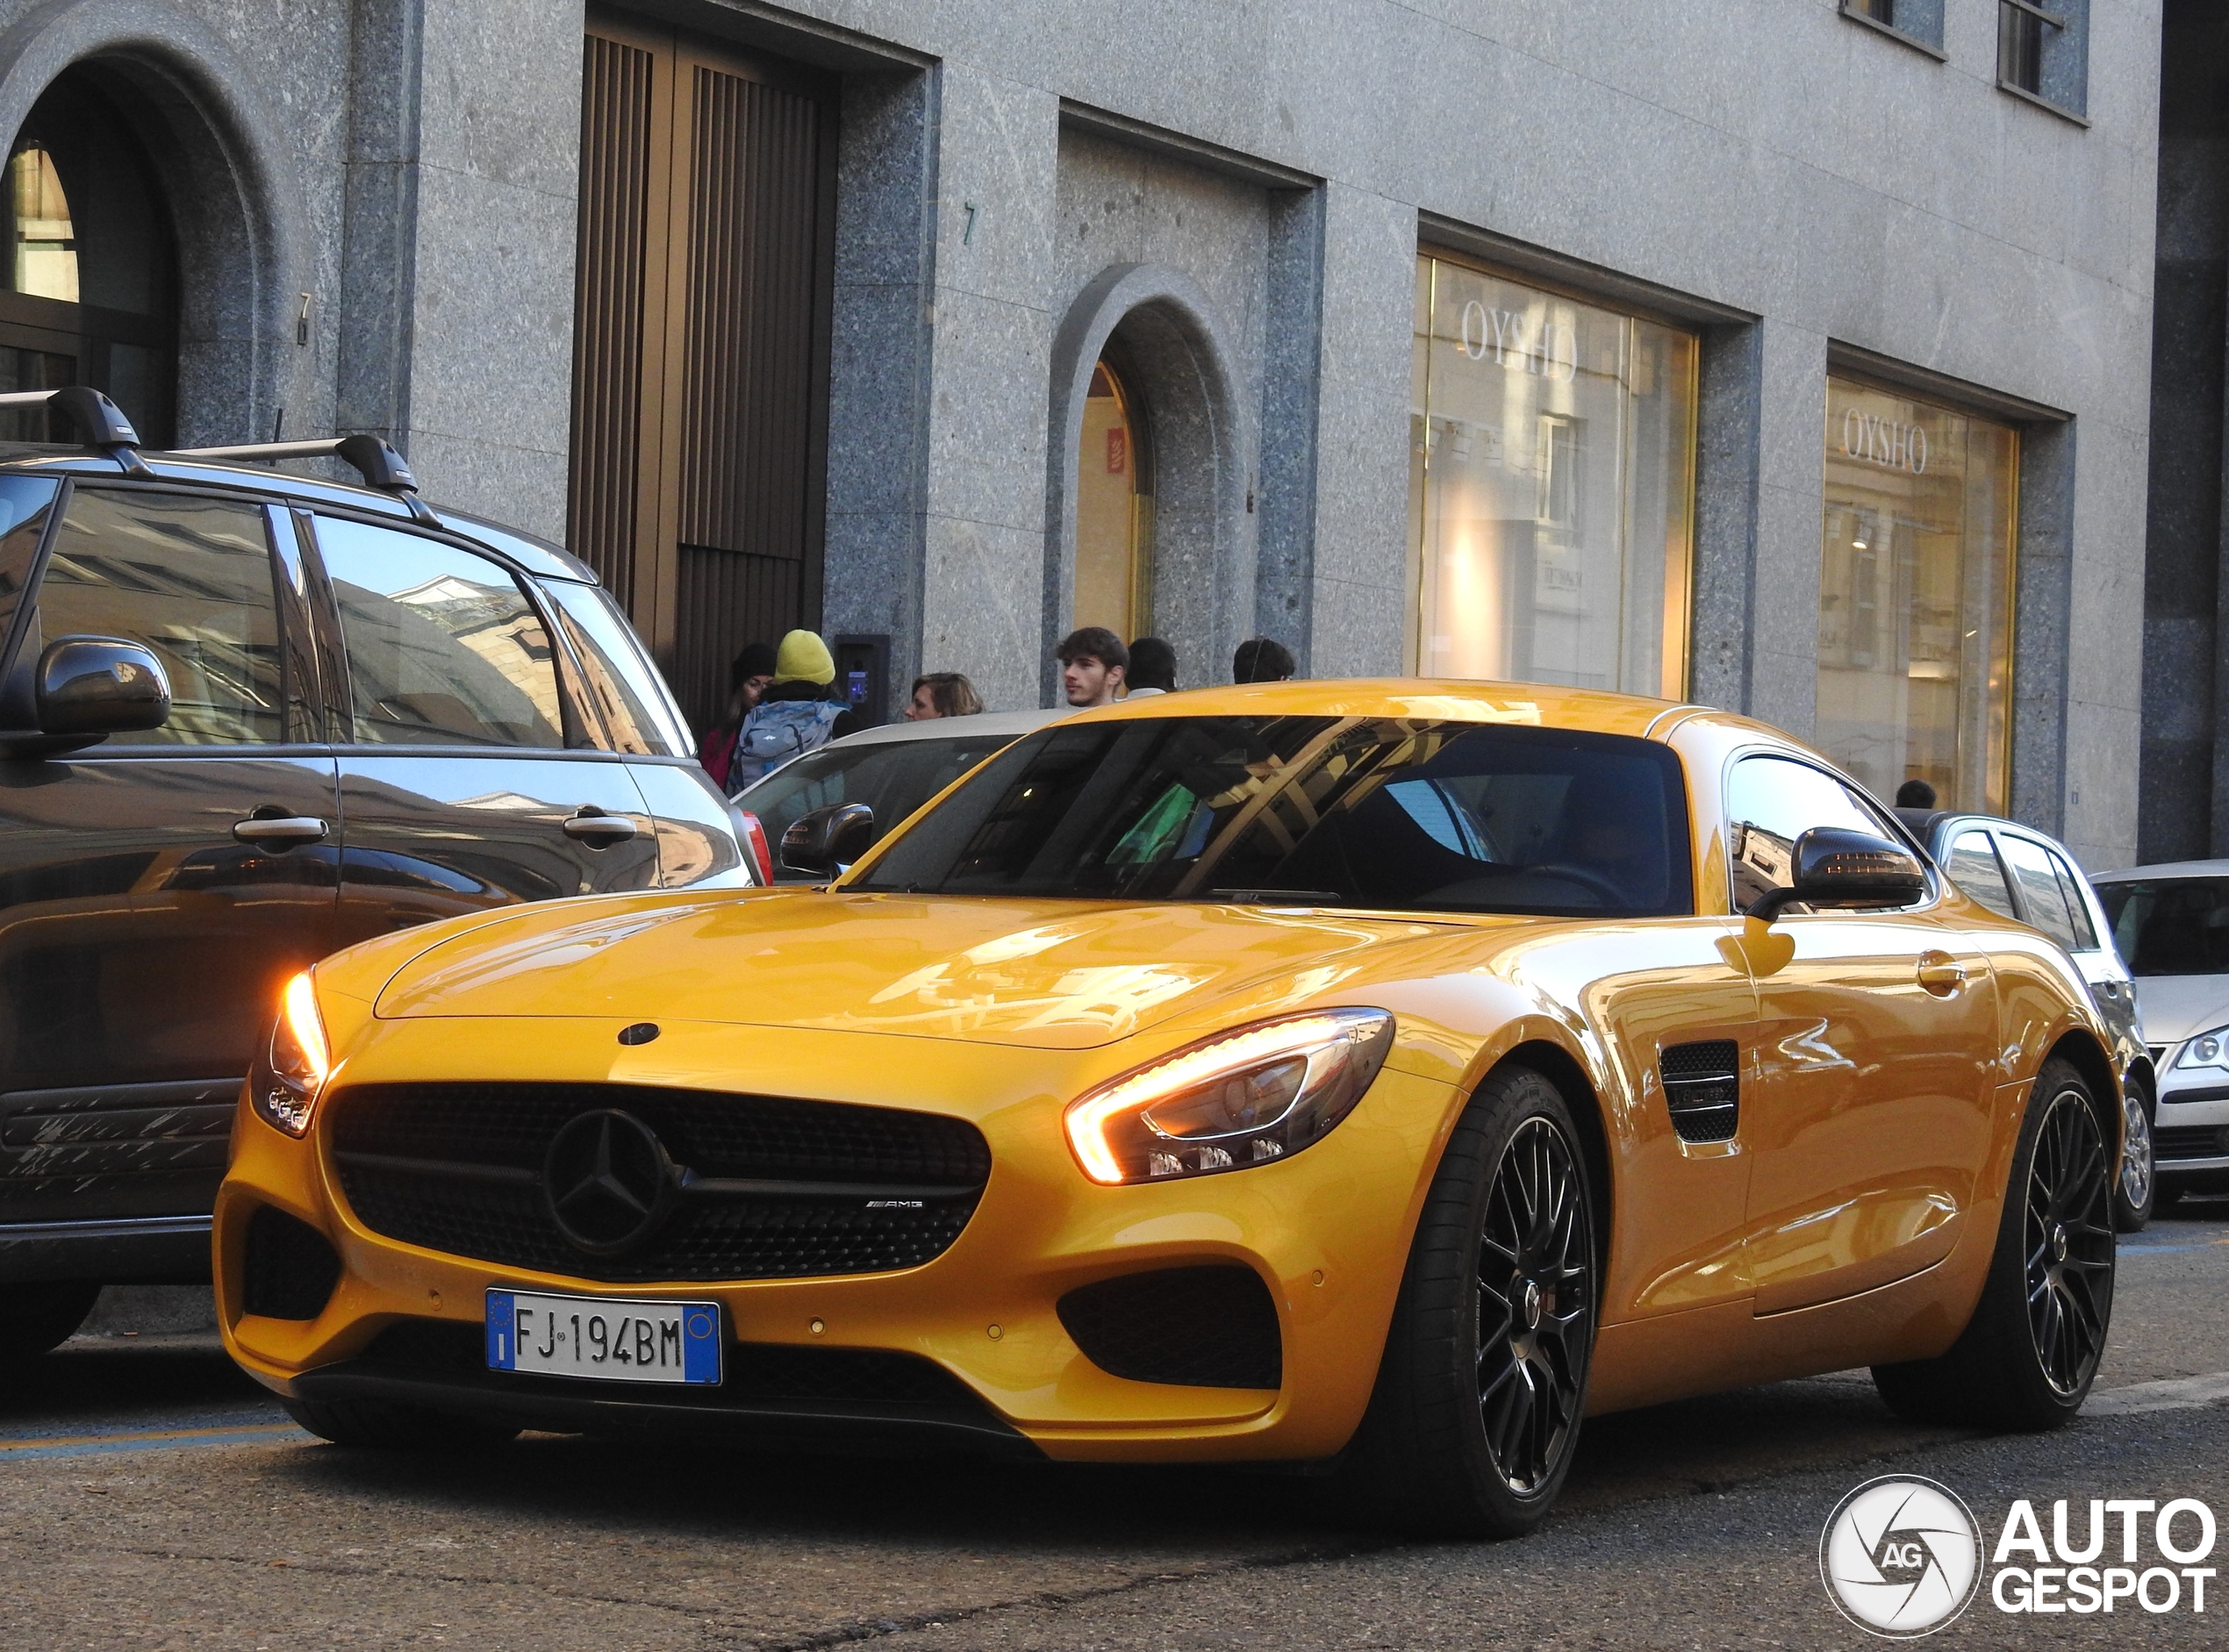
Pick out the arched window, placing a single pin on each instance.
(89, 269)
(1113, 512)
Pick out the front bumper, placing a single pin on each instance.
(1326, 1231)
(2190, 1131)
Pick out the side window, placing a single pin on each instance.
(2039, 890)
(444, 650)
(625, 687)
(2077, 908)
(22, 522)
(1770, 803)
(1974, 867)
(191, 579)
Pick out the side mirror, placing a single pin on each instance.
(89, 688)
(1834, 867)
(825, 841)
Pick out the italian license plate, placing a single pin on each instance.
(615, 1339)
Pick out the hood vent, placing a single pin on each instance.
(1703, 1088)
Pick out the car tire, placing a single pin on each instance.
(35, 1318)
(2136, 1191)
(373, 1425)
(1472, 1424)
(2026, 1359)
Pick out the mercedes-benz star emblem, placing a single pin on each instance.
(608, 1181)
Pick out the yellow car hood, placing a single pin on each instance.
(1046, 973)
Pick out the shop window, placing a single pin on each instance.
(2043, 52)
(1916, 597)
(88, 274)
(1914, 22)
(1552, 487)
(1113, 512)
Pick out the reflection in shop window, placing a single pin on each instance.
(1113, 512)
(1552, 487)
(1916, 598)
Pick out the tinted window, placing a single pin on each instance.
(630, 694)
(443, 647)
(2078, 909)
(23, 519)
(893, 777)
(2039, 892)
(1773, 801)
(1974, 867)
(2170, 925)
(1387, 813)
(191, 579)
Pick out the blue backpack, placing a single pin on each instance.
(774, 734)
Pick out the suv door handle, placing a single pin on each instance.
(597, 830)
(1940, 973)
(282, 832)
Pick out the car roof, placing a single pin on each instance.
(1014, 723)
(2165, 868)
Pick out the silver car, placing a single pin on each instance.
(2172, 924)
(2017, 870)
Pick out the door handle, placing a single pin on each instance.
(1940, 973)
(280, 832)
(597, 830)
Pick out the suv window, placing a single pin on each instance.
(2041, 894)
(444, 650)
(1773, 801)
(1974, 867)
(2077, 908)
(191, 579)
(624, 687)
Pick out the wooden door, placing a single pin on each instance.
(701, 344)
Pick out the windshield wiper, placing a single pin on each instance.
(1278, 897)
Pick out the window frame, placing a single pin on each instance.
(1854, 10)
(1956, 835)
(2072, 22)
(1893, 830)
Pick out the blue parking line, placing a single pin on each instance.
(37, 1446)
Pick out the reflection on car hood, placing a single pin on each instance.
(2176, 1006)
(1047, 973)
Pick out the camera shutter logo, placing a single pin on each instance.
(1901, 1556)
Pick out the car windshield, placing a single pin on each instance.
(891, 777)
(2170, 925)
(1392, 813)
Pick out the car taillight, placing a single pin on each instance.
(755, 839)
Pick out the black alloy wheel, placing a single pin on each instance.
(2068, 1244)
(1475, 1418)
(1536, 1305)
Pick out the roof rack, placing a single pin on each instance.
(378, 464)
(101, 424)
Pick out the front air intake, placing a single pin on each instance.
(290, 1268)
(1703, 1089)
(1202, 1327)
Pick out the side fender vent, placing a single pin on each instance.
(1703, 1088)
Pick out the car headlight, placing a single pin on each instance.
(1230, 1102)
(2208, 1049)
(286, 1082)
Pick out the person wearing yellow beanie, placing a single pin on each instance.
(796, 716)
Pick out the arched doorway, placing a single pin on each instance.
(1114, 510)
(89, 266)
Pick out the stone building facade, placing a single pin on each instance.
(1789, 356)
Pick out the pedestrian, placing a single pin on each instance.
(1094, 666)
(795, 715)
(749, 677)
(941, 694)
(1262, 660)
(1152, 669)
(1915, 794)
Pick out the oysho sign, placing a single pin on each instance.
(1901, 1556)
(1546, 349)
(1888, 442)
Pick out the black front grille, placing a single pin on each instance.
(768, 1187)
(755, 1373)
(291, 1269)
(2190, 1142)
(1204, 1327)
(1703, 1088)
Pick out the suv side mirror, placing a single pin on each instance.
(89, 688)
(1835, 866)
(825, 841)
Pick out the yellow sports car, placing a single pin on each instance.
(1378, 1074)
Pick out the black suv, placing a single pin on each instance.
(247, 718)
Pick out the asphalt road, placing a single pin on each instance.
(150, 1497)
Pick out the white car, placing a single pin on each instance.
(2171, 923)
